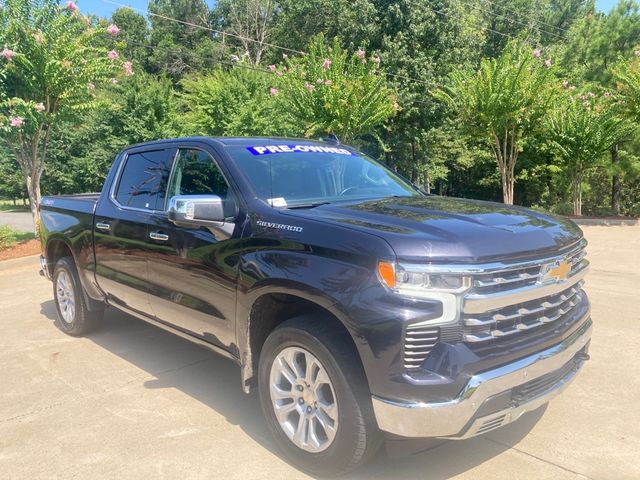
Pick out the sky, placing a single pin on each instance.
(105, 9)
(605, 5)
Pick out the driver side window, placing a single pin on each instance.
(196, 173)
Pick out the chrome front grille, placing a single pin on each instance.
(418, 343)
(514, 299)
(522, 317)
(526, 275)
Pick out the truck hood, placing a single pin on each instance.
(451, 229)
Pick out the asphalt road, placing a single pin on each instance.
(20, 220)
(132, 401)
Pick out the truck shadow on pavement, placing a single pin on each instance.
(215, 381)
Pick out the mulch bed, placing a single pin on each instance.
(22, 249)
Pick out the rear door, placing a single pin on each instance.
(192, 271)
(122, 223)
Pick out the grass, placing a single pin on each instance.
(8, 206)
(10, 236)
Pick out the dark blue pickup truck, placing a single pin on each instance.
(360, 307)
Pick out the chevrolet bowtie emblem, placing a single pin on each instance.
(556, 271)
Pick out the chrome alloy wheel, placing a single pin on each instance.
(65, 297)
(303, 399)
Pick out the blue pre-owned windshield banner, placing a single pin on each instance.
(267, 149)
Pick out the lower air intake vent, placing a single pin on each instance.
(418, 343)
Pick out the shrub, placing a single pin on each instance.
(10, 236)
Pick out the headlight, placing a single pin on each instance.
(425, 282)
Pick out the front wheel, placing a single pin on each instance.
(74, 317)
(315, 399)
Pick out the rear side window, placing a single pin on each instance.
(143, 181)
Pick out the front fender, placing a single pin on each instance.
(331, 283)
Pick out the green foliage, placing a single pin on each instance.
(596, 41)
(248, 24)
(55, 60)
(502, 103)
(51, 61)
(331, 92)
(189, 80)
(540, 22)
(12, 184)
(627, 79)
(232, 102)
(581, 129)
(296, 22)
(137, 109)
(179, 48)
(133, 39)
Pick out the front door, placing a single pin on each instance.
(192, 271)
(122, 224)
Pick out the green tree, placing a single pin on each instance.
(12, 184)
(48, 66)
(233, 102)
(593, 46)
(249, 23)
(501, 103)
(133, 36)
(138, 109)
(182, 47)
(329, 91)
(539, 22)
(420, 42)
(581, 129)
(627, 79)
(595, 42)
(355, 22)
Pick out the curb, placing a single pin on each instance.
(606, 222)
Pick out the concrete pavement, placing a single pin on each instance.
(132, 401)
(20, 220)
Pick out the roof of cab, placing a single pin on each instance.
(237, 141)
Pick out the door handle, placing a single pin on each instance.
(163, 237)
(103, 226)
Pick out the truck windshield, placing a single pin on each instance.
(307, 175)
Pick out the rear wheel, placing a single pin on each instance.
(314, 397)
(74, 317)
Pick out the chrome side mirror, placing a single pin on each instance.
(196, 210)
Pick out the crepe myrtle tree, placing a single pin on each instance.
(50, 65)
(581, 129)
(329, 91)
(502, 103)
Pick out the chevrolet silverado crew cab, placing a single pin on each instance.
(359, 307)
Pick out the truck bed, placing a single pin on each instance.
(81, 203)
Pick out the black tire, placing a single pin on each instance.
(81, 320)
(357, 437)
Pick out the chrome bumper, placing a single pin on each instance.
(458, 419)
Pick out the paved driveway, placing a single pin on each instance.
(132, 401)
(20, 220)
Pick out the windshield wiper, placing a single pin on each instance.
(307, 205)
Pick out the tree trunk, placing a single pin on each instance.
(576, 194)
(615, 181)
(506, 152)
(33, 189)
(427, 181)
